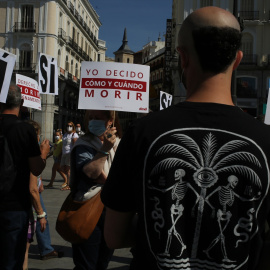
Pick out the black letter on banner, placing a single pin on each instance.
(52, 86)
(43, 60)
(164, 101)
(3, 68)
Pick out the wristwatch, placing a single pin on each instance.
(42, 215)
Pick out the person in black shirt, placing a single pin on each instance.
(189, 185)
(15, 206)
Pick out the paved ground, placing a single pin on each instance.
(53, 199)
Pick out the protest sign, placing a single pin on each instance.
(7, 62)
(114, 86)
(165, 100)
(30, 91)
(47, 74)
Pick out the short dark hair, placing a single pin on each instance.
(216, 47)
(13, 97)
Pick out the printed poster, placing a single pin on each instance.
(30, 91)
(114, 86)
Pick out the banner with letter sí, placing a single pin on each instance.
(114, 86)
(165, 100)
(7, 62)
(47, 74)
(30, 91)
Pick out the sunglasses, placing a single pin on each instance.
(69, 125)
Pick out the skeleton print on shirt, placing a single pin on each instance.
(203, 189)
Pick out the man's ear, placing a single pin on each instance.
(239, 56)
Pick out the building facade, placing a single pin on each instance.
(252, 77)
(65, 29)
(153, 55)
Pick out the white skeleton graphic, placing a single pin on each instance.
(226, 197)
(178, 193)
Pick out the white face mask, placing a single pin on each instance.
(69, 128)
(57, 138)
(78, 129)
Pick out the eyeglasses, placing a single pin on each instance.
(69, 125)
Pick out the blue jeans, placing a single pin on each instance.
(92, 254)
(13, 238)
(44, 239)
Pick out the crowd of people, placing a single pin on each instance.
(185, 188)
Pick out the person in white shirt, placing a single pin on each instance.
(69, 138)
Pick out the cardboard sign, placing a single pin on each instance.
(47, 75)
(165, 100)
(30, 91)
(114, 86)
(7, 62)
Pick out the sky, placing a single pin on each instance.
(143, 19)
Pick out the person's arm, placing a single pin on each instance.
(120, 229)
(94, 168)
(38, 163)
(33, 188)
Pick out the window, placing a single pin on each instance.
(59, 58)
(25, 58)
(128, 60)
(27, 20)
(247, 5)
(205, 3)
(246, 87)
(67, 64)
(76, 71)
(247, 48)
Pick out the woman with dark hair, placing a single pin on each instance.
(91, 159)
(69, 138)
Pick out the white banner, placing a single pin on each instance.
(7, 62)
(165, 100)
(30, 91)
(114, 86)
(47, 74)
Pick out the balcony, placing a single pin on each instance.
(249, 59)
(25, 67)
(26, 27)
(62, 34)
(71, 7)
(76, 14)
(249, 15)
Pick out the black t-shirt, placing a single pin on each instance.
(22, 141)
(197, 174)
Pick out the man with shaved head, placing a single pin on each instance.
(189, 185)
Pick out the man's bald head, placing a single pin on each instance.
(214, 35)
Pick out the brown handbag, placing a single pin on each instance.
(77, 220)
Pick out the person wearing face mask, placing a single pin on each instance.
(69, 138)
(91, 158)
(57, 153)
(79, 130)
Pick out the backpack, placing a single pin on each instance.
(8, 170)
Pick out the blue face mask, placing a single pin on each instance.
(97, 127)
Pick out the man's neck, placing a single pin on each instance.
(215, 89)
(12, 111)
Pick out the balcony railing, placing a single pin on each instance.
(25, 67)
(249, 15)
(25, 27)
(71, 7)
(76, 14)
(62, 34)
(249, 59)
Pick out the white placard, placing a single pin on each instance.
(30, 91)
(7, 62)
(114, 86)
(267, 113)
(165, 100)
(47, 74)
